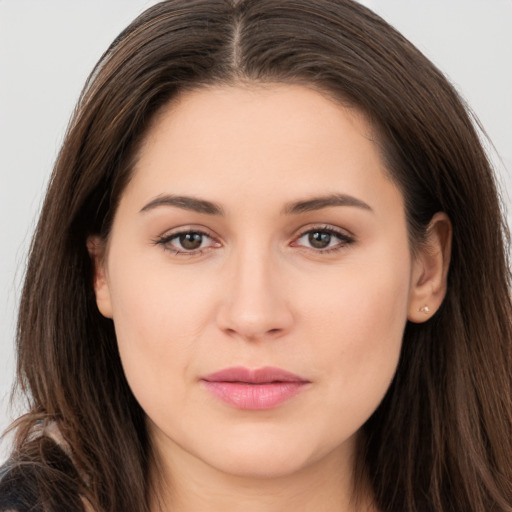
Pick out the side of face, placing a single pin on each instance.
(260, 230)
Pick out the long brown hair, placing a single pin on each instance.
(442, 438)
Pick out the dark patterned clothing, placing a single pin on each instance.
(51, 485)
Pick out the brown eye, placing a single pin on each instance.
(190, 241)
(323, 240)
(319, 239)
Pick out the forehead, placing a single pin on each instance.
(261, 110)
(250, 140)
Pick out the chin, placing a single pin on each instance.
(265, 456)
(261, 464)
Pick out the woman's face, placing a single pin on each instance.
(259, 277)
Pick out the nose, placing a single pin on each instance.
(255, 303)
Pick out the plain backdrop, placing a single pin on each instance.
(48, 47)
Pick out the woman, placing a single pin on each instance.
(269, 274)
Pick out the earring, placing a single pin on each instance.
(425, 309)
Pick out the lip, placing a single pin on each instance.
(254, 389)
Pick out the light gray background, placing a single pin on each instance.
(48, 47)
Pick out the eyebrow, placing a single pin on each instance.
(186, 203)
(211, 208)
(317, 203)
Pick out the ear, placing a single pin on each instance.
(430, 270)
(96, 248)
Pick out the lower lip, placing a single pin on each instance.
(254, 396)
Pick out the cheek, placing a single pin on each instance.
(158, 328)
(358, 320)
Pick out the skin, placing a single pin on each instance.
(258, 293)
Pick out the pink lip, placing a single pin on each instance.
(257, 389)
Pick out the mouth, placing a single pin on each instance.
(254, 389)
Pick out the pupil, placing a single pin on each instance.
(319, 239)
(191, 241)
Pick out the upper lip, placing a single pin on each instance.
(263, 375)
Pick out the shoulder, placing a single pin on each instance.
(41, 480)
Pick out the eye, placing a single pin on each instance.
(323, 239)
(187, 242)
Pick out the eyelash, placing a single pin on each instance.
(166, 240)
(344, 241)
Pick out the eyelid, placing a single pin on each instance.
(167, 236)
(345, 237)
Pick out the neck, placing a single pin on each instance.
(183, 483)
